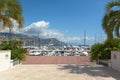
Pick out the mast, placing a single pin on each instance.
(84, 38)
(95, 39)
(101, 38)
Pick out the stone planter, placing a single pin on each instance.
(115, 60)
(5, 56)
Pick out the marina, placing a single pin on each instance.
(60, 40)
(61, 51)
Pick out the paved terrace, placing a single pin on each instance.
(57, 60)
(60, 72)
(59, 68)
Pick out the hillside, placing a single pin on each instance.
(32, 40)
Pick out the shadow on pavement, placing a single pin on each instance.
(92, 70)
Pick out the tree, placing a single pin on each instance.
(103, 50)
(96, 51)
(111, 19)
(17, 52)
(10, 9)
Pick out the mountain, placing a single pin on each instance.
(32, 40)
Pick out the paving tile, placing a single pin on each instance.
(60, 72)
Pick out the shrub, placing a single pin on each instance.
(103, 50)
(17, 52)
(96, 51)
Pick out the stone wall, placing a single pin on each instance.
(115, 60)
(5, 60)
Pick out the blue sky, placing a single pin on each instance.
(67, 18)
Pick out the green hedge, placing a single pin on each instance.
(17, 52)
(103, 50)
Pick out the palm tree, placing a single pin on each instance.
(10, 9)
(111, 19)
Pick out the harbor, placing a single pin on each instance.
(61, 51)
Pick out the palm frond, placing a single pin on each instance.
(117, 29)
(11, 9)
(112, 4)
(110, 23)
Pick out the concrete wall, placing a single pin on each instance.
(115, 60)
(5, 60)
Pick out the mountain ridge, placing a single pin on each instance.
(32, 40)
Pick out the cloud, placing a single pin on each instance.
(42, 30)
(49, 33)
(35, 26)
(70, 39)
(39, 24)
(14, 25)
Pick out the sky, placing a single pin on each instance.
(66, 20)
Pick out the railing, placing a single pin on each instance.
(104, 62)
(14, 62)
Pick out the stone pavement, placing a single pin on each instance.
(60, 72)
(57, 60)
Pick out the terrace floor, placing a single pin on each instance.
(59, 68)
(60, 72)
(57, 60)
